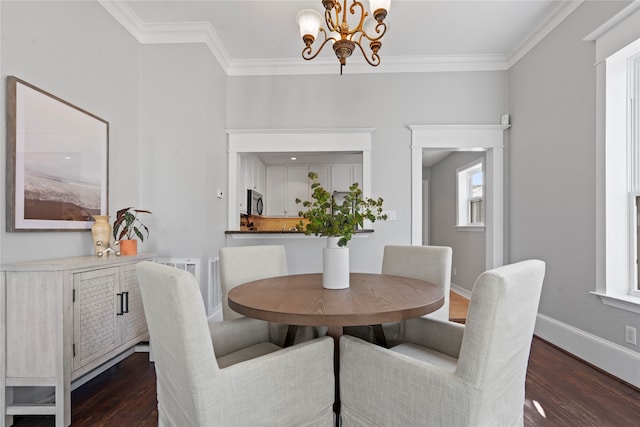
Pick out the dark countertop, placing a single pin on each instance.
(279, 231)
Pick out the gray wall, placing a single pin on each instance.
(77, 52)
(166, 106)
(552, 172)
(469, 250)
(184, 150)
(386, 102)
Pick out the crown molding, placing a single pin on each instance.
(551, 19)
(203, 32)
(614, 21)
(389, 64)
(168, 33)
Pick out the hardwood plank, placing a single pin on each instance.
(458, 307)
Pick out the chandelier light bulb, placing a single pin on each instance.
(379, 9)
(309, 21)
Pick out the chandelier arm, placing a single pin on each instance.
(363, 15)
(375, 58)
(307, 50)
(373, 39)
(331, 25)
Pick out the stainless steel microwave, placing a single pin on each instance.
(255, 203)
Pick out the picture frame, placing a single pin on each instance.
(57, 162)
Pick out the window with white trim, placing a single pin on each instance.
(622, 147)
(617, 45)
(470, 194)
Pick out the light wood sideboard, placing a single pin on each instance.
(61, 319)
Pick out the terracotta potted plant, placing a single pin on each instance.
(127, 227)
(337, 221)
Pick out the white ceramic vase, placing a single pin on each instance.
(335, 265)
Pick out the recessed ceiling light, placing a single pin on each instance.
(67, 157)
(293, 158)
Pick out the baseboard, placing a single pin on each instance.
(216, 315)
(461, 291)
(612, 358)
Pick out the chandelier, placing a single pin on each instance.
(340, 34)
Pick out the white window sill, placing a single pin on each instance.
(470, 228)
(623, 302)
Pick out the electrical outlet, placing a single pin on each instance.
(454, 271)
(630, 335)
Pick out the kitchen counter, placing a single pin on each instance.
(280, 232)
(257, 234)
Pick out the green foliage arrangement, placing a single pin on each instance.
(327, 218)
(132, 227)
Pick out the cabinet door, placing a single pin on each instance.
(324, 176)
(297, 188)
(259, 176)
(133, 324)
(341, 177)
(94, 314)
(276, 196)
(357, 174)
(247, 169)
(242, 189)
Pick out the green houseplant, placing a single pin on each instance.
(328, 218)
(338, 221)
(127, 227)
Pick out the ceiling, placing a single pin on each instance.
(261, 37)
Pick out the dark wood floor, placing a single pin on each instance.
(560, 391)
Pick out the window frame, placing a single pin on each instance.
(616, 268)
(464, 193)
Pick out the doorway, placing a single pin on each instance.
(488, 138)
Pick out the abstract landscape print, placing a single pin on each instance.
(59, 155)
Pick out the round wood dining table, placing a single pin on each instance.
(371, 299)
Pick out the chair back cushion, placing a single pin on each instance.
(180, 340)
(430, 263)
(243, 264)
(497, 338)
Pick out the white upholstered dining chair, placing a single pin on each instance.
(448, 374)
(430, 263)
(288, 387)
(243, 264)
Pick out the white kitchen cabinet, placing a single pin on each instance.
(276, 194)
(259, 171)
(251, 176)
(62, 319)
(357, 174)
(324, 176)
(242, 187)
(297, 188)
(341, 177)
(284, 185)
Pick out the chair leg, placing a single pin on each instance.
(379, 336)
(290, 338)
